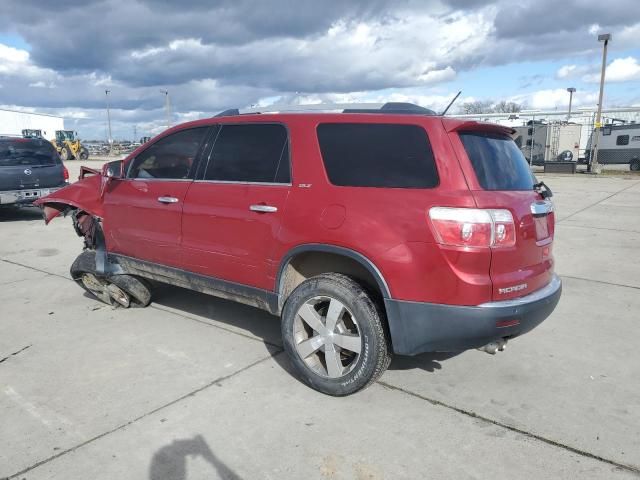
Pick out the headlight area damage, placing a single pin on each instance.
(92, 269)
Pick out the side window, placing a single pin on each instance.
(170, 157)
(250, 153)
(622, 140)
(606, 130)
(377, 155)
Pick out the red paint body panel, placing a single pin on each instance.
(136, 224)
(211, 230)
(83, 194)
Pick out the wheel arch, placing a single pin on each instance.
(285, 284)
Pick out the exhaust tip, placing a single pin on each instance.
(494, 347)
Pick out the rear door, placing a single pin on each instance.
(143, 212)
(501, 179)
(234, 211)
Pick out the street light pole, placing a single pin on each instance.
(167, 106)
(571, 91)
(110, 139)
(593, 160)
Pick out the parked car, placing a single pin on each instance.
(368, 233)
(30, 168)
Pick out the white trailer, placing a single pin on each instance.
(12, 122)
(549, 142)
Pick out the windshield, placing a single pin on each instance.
(19, 152)
(66, 135)
(497, 161)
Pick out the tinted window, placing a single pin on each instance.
(20, 151)
(497, 161)
(170, 157)
(622, 140)
(377, 155)
(250, 153)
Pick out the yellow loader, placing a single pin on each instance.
(68, 146)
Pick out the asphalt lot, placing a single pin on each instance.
(196, 387)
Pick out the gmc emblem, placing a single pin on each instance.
(515, 288)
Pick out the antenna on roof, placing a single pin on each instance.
(450, 103)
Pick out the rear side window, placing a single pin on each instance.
(24, 152)
(497, 161)
(622, 140)
(171, 157)
(256, 153)
(377, 155)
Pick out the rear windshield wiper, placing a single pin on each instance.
(543, 190)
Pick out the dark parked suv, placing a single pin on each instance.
(30, 168)
(396, 230)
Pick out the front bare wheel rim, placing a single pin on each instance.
(327, 337)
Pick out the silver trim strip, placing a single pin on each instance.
(553, 286)
(233, 182)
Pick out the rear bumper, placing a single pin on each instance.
(426, 327)
(25, 196)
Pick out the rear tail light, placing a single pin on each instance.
(65, 173)
(473, 227)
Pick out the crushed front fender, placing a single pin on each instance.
(84, 195)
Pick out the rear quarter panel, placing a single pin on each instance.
(389, 226)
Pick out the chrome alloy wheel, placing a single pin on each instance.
(327, 337)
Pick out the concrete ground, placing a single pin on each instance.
(195, 387)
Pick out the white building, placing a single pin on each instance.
(13, 122)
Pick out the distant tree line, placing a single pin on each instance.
(488, 106)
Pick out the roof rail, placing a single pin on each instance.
(387, 108)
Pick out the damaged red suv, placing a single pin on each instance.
(368, 232)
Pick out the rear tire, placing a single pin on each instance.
(84, 154)
(634, 166)
(334, 334)
(115, 290)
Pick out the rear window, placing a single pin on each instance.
(23, 152)
(498, 162)
(377, 155)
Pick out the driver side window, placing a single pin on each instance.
(169, 158)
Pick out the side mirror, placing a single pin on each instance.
(113, 170)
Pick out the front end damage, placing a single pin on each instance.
(92, 270)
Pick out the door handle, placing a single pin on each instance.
(263, 208)
(168, 200)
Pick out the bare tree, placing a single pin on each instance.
(477, 106)
(507, 107)
(488, 106)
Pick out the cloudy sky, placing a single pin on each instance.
(60, 56)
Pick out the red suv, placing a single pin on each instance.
(396, 230)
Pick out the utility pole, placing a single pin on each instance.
(135, 131)
(593, 158)
(110, 139)
(571, 91)
(167, 106)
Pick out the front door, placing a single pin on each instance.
(143, 212)
(233, 212)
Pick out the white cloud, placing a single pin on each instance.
(573, 71)
(557, 98)
(620, 70)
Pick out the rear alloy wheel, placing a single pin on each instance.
(634, 166)
(333, 333)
